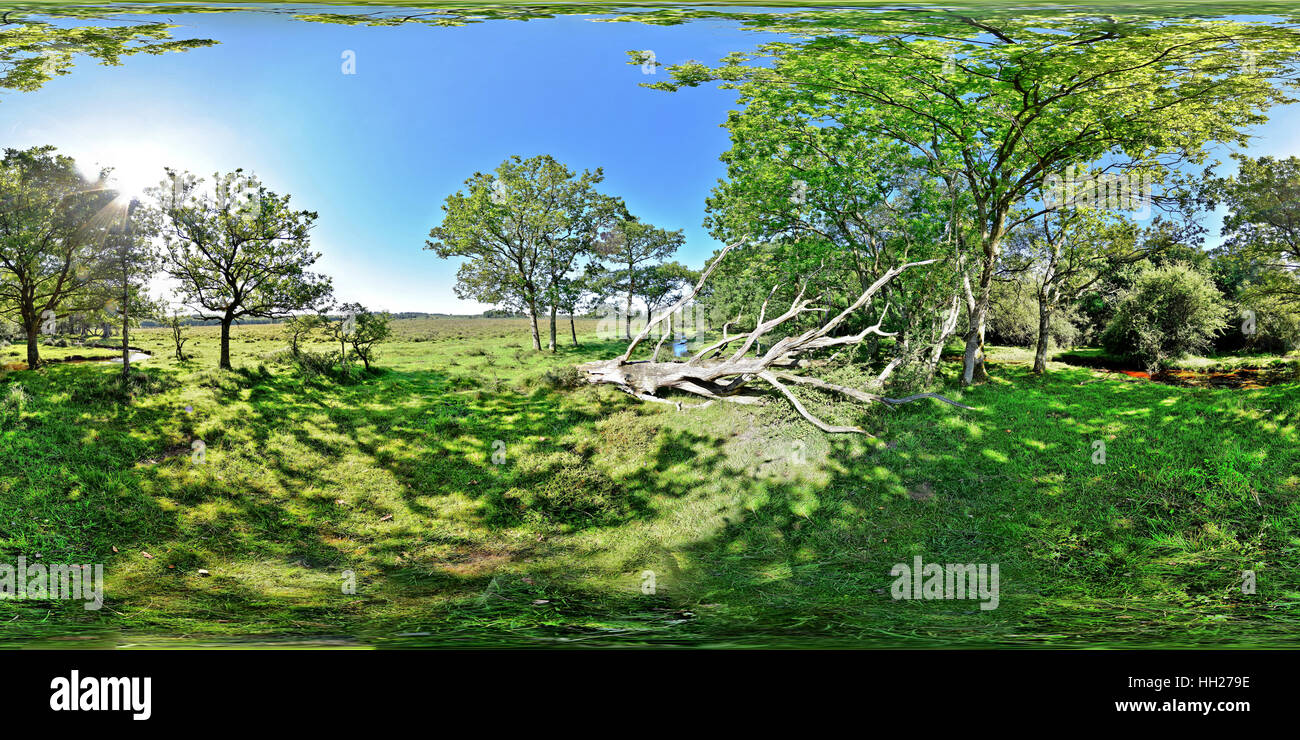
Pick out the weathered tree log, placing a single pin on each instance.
(719, 373)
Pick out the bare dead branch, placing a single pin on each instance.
(645, 331)
(828, 428)
(709, 375)
(919, 396)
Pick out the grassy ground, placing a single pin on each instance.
(759, 529)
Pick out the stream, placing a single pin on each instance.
(1245, 378)
(134, 357)
(137, 355)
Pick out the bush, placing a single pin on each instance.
(1169, 313)
(1013, 318)
(12, 405)
(565, 377)
(1276, 324)
(315, 363)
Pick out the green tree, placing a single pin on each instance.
(341, 330)
(236, 251)
(32, 52)
(176, 324)
(1262, 226)
(369, 328)
(51, 231)
(1066, 253)
(835, 208)
(1171, 312)
(1003, 102)
(663, 284)
(581, 292)
(298, 329)
(633, 247)
(130, 260)
(521, 230)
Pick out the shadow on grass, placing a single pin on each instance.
(768, 548)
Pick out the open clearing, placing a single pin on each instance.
(759, 530)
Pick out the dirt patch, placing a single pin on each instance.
(923, 492)
(167, 454)
(475, 562)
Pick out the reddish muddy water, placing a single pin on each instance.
(1245, 378)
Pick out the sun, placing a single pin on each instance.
(135, 166)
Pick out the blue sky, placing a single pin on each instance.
(376, 153)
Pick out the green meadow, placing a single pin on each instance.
(477, 493)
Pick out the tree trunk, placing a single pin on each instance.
(126, 351)
(33, 346)
(946, 330)
(714, 377)
(551, 345)
(225, 344)
(1044, 326)
(532, 316)
(973, 370)
(573, 330)
(627, 320)
(1048, 295)
(973, 366)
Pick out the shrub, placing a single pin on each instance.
(12, 405)
(315, 363)
(1013, 315)
(1013, 318)
(1276, 323)
(564, 377)
(1170, 312)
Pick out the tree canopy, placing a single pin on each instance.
(237, 249)
(521, 230)
(1000, 103)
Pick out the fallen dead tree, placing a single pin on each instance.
(720, 373)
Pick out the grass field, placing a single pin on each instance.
(759, 530)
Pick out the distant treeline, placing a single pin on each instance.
(191, 321)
